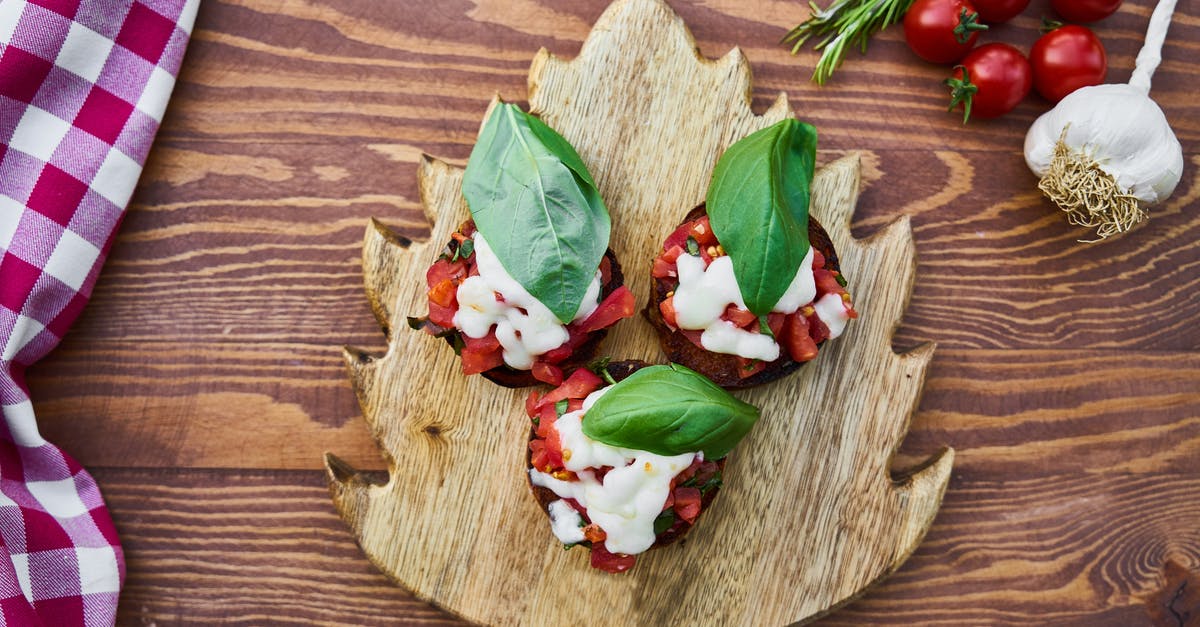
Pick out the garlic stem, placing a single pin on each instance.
(1151, 53)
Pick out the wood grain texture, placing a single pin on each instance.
(1064, 374)
(455, 522)
(253, 547)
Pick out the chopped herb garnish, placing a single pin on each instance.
(840, 279)
(465, 249)
(560, 407)
(664, 521)
(752, 365)
(568, 547)
(600, 367)
(713, 482)
(693, 247)
(765, 328)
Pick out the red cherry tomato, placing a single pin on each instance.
(999, 11)
(1066, 59)
(1085, 10)
(941, 31)
(990, 82)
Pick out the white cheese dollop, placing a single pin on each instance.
(832, 311)
(525, 327)
(565, 522)
(704, 293)
(631, 495)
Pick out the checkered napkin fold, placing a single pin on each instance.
(83, 87)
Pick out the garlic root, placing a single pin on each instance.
(1091, 197)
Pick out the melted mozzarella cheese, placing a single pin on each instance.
(565, 522)
(525, 327)
(631, 495)
(704, 293)
(831, 309)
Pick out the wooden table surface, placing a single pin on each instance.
(204, 381)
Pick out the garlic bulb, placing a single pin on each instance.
(1106, 152)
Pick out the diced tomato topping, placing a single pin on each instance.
(678, 237)
(740, 317)
(558, 355)
(547, 373)
(617, 306)
(663, 269)
(446, 270)
(795, 339)
(546, 416)
(687, 473)
(443, 293)
(581, 383)
(532, 404)
(442, 316)
(574, 404)
(694, 336)
(481, 357)
(827, 282)
(706, 472)
(702, 231)
(548, 447)
(775, 322)
(537, 455)
(485, 344)
(818, 259)
(610, 562)
(671, 255)
(817, 329)
(750, 367)
(667, 308)
(593, 533)
(687, 503)
(605, 270)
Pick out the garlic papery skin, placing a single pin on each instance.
(1106, 152)
(1120, 129)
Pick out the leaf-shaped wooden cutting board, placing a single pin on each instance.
(808, 517)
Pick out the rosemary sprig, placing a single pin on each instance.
(844, 23)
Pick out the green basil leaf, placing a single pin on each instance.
(758, 207)
(669, 410)
(536, 204)
(663, 522)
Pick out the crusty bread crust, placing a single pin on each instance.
(618, 370)
(722, 368)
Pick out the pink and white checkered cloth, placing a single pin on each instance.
(83, 87)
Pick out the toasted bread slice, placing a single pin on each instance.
(619, 370)
(723, 369)
(509, 377)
